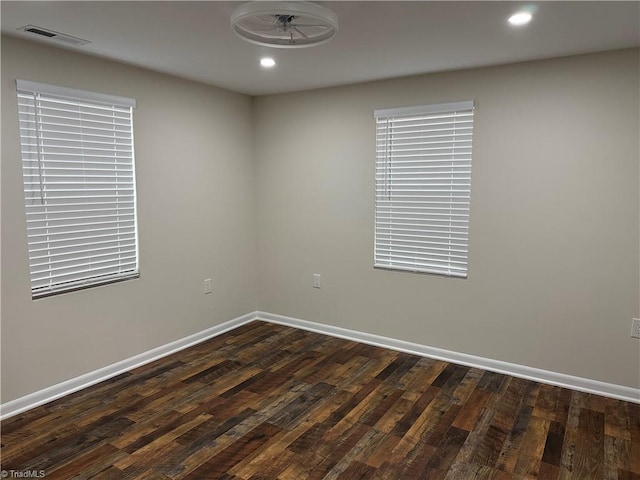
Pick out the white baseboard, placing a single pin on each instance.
(536, 374)
(22, 404)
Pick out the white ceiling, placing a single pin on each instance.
(376, 40)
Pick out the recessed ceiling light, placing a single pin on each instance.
(267, 62)
(520, 18)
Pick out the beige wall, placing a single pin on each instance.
(196, 218)
(284, 184)
(553, 270)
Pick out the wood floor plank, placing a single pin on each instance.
(350, 461)
(467, 386)
(616, 419)
(147, 454)
(380, 454)
(589, 456)
(267, 402)
(471, 410)
(634, 427)
(546, 403)
(489, 382)
(221, 463)
(489, 449)
(276, 454)
(547, 471)
(423, 378)
(438, 465)
(87, 464)
(570, 437)
(553, 444)
(532, 447)
(510, 452)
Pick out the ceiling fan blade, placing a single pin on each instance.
(265, 19)
(266, 29)
(307, 25)
(301, 33)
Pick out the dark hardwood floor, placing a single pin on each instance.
(272, 402)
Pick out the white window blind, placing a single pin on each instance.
(423, 187)
(79, 187)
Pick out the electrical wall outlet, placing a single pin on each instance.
(316, 280)
(207, 285)
(635, 328)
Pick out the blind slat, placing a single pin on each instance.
(79, 218)
(93, 244)
(91, 248)
(74, 267)
(87, 272)
(79, 163)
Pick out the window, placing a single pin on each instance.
(79, 187)
(423, 186)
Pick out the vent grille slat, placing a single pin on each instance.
(40, 32)
(53, 35)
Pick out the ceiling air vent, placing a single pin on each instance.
(45, 33)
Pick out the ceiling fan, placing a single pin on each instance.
(284, 24)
